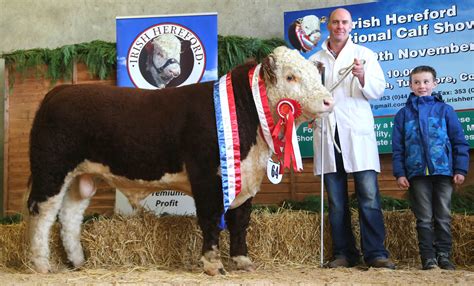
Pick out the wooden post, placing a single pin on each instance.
(5, 139)
(292, 184)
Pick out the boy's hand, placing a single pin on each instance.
(403, 183)
(458, 179)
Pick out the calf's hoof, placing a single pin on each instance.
(212, 264)
(77, 261)
(243, 263)
(41, 265)
(74, 265)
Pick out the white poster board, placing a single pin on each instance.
(165, 202)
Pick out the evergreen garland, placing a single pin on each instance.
(101, 57)
(462, 203)
(234, 50)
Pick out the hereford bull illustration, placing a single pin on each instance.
(163, 62)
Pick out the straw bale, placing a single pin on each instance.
(463, 239)
(401, 238)
(284, 237)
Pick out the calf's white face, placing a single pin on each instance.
(298, 79)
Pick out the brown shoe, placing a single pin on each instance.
(381, 263)
(339, 262)
(342, 261)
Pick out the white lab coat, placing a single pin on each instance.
(353, 115)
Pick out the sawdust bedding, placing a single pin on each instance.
(272, 275)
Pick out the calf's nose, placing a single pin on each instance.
(175, 73)
(328, 103)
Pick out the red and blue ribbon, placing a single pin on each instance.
(228, 141)
(281, 138)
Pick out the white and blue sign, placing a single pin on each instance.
(406, 34)
(155, 52)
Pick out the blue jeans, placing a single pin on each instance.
(431, 203)
(372, 229)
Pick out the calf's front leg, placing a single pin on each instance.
(238, 221)
(209, 209)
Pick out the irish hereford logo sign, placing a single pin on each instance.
(155, 52)
(166, 55)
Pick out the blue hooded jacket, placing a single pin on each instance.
(428, 139)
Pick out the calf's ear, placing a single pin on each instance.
(267, 72)
(320, 66)
(321, 69)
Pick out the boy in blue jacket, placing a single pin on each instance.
(430, 153)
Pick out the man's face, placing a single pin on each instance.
(340, 25)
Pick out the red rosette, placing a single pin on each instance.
(287, 105)
(284, 134)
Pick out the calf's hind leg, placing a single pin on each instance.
(71, 215)
(42, 217)
(237, 221)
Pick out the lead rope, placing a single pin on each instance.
(344, 72)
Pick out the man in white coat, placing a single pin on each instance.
(352, 127)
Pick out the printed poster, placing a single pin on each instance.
(404, 34)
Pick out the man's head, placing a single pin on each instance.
(423, 80)
(339, 25)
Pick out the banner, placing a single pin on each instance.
(165, 51)
(406, 34)
(155, 52)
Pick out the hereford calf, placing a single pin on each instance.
(156, 140)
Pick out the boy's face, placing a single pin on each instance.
(422, 84)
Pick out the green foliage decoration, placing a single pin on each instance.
(13, 219)
(235, 50)
(462, 202)
(101, 57)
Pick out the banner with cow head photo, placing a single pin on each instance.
(403, 34)
(155, 52)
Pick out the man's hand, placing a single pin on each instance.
(358, 71)
(403, 183)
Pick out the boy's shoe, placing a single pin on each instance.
(429, 263)
(444, 262)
